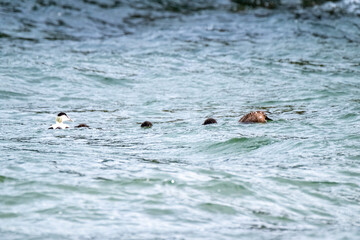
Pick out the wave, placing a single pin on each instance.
(180, 6)
(345, 7)
(238, 145)
(33, 21)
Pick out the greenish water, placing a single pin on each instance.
(115, 64)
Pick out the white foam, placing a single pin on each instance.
(345, 6)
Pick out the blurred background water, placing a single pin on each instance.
(114, 64)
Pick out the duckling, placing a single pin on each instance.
(209, 121)
(146, 124)
(255, 117)
(61, 117)
(82, 125)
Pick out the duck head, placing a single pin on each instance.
(62, 117)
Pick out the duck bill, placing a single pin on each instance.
(268, 119)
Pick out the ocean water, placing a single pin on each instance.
(115, 64)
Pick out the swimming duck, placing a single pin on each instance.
(82, 125)
(146, 124)
(61, 117)
(255, 117)
(209, 121)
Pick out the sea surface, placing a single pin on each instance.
(115, 64)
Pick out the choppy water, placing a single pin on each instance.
(115, 64)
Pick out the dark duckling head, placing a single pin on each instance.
(255, 117)
(146, 124)
(209, 121)
(82, 125)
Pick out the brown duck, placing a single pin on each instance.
(255, 117)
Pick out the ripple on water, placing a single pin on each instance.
(109, 80)
(217, 208)
(11, 95)
(226, 188)
(6, 179)
(239, 145)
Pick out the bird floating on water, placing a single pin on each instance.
(60, 119)
(146, 124)
(255, 117)
(82, 125)
(209, 121)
